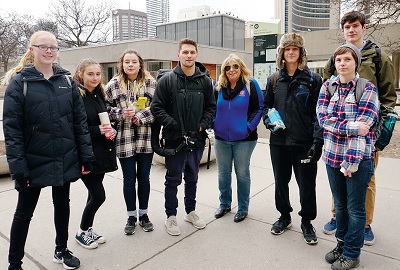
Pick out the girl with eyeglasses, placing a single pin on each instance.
(47, 142)
(239, 110)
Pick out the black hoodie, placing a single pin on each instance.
(194, 102)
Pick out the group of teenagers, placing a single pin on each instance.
(54, 136)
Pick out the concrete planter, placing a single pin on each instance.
(3, 160)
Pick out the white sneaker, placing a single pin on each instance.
(172, 226)
(197, 222)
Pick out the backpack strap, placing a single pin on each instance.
(360, 87)
(332, 67)
(377, 60)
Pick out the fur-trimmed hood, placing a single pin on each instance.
(291, 39)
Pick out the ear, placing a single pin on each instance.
(364, 27)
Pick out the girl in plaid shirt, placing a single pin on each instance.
(348, 152)
(129, 95)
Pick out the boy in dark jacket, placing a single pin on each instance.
(185, 113)
(293, 92)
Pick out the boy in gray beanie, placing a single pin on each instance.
(293, 92)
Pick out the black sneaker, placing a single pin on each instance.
(345, 264)
(309, 234)
(86, 241)
(280, 225)
(65, 257)
(145, 223)
(130, 226)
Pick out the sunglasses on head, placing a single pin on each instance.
(235, 66)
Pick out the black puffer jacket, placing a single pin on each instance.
(295, 99)
(104, 149)
(46, 133)
(196, 103)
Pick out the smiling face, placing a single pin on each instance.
(41, 57)
(91, 76)
(131, 65)
(291, 54)
(232, 71)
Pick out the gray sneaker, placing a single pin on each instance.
(172, 226)
(345, 264)
(130, 226)
(197, 222)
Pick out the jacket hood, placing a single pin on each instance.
(31, 73)
(199, 72)
(291, 39)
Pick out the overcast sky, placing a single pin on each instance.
(247, 10)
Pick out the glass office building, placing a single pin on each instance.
(157, 13)
(219, 30)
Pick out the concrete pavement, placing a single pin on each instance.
(223, 244)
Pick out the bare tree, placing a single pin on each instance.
(46, 25)
(380, 14)
(15, 31)
(80, 24)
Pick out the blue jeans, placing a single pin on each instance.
(238, 153)
(137, 166)
(186, 162)
(349, 196)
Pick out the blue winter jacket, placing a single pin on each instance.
(238, 112)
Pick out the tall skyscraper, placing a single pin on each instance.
(128, 24)
(157, 12)
(302, 16)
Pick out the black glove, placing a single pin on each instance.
(22, 183)
(271, 126)
(315, 152)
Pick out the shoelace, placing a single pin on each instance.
(173, 222)
(309, 229)
(345, 262)
(195, 217)
(92, 234)
(87, 238)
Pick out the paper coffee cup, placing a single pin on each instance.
(104, 119)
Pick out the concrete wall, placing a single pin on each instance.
(151, 49)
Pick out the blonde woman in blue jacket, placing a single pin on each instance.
(239, 109)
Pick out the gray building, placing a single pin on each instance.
(128, 24)
(217, 30)
(306, 16)
(157, 12)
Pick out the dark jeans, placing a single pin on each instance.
(27, 201)
(283, 160)
(137, 166)
(96, 197)
(186, 162)
(349, 196)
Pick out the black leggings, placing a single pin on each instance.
(27, 201)
(96, 197)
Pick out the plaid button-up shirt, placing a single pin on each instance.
(343, 147)
(131, 139)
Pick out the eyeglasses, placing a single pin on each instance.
(45, 48)
(235, 66)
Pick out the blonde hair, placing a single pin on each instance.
(80, 69)
(245, 72)
(27, 58)
(141, 78)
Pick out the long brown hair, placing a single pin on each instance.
(122, 77)
(80, 69)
